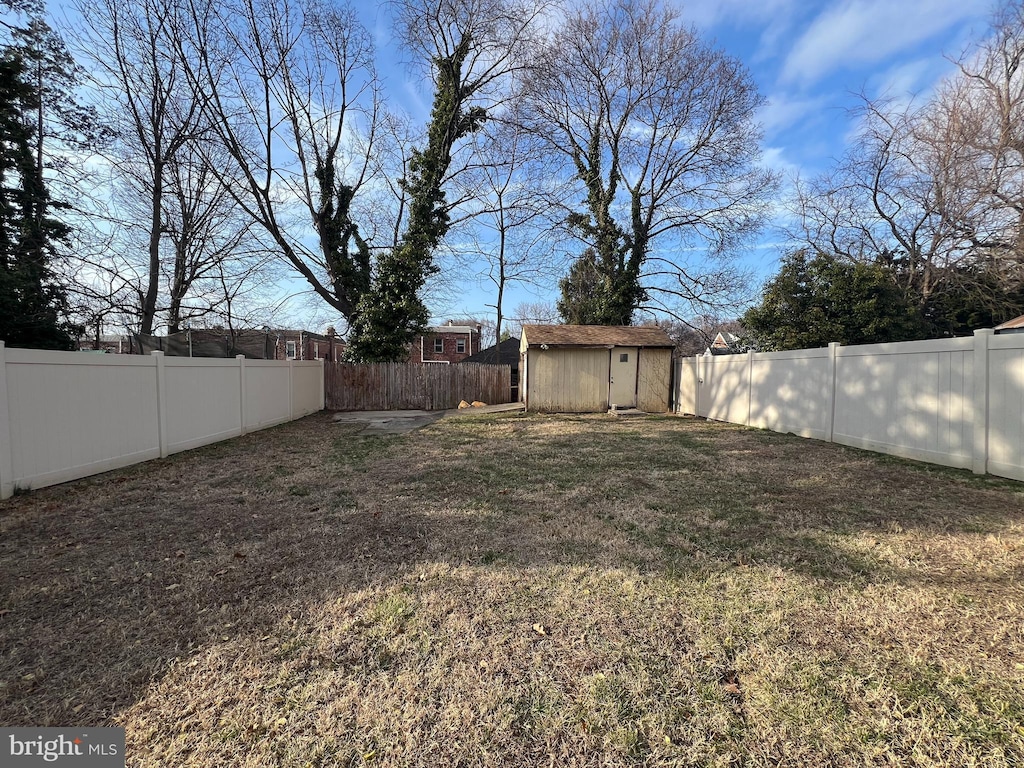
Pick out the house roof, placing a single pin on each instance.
(509, 354)
(1017, 322)
(451, 329)
(596, 336)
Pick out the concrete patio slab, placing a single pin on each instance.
(388, 422)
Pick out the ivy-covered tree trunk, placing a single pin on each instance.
(391, 313)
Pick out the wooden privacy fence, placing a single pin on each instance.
(395, 386)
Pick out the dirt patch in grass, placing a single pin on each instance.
(522, 590)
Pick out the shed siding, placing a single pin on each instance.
(654, 377)
(568, 380)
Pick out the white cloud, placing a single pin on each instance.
(774, 158)
(706, 14)
(857, 32)
(782, 112)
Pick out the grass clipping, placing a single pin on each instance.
(522, 590)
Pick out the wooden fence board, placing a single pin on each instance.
(399, 386)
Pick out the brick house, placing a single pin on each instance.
(259, 344)
(446, 344)
(289, 344)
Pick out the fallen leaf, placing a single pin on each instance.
(539, 629)
(172, 586)
(180, 553)
(239, 555)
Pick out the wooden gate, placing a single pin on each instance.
(398, 386)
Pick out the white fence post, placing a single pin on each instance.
(291, 390)
(981, 340)
(698, 379)
(6, 452)
(241, 399)
(833, 359)
(161, 400)
(750, 383)
(323, 384)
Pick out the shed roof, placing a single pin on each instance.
(489, 356)
(1017, 322)
(596, 336)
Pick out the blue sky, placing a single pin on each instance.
(810, 58)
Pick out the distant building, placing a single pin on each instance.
(255, 343)
(724, 343)
(446, 344)
(305, 345)
(113, 344)
(506, 353)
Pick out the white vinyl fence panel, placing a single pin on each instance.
(66, 415)
(912, 399)
(956, 402)
(268, 394)
(1006, 406)
(790, 392)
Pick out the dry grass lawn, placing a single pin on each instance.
(522, 590)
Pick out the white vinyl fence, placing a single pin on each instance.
(65, 415)
(956, 402)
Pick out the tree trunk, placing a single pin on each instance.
(149, 302)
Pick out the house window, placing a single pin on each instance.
(439, 345)
(316, 350)
(624, 357)
(289, 350)
(460, 345)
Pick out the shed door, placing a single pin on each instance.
(623, 377)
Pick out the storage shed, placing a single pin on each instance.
(591, 368)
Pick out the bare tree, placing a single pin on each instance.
(531, 313)
(888, 198)
(657, 128)
(981, 112)
(149, 105)
(511, 215)
(291, 93)
(935, 190)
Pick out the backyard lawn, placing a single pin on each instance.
(522, 590)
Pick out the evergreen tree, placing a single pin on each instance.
(820, 299)
(31, 301)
